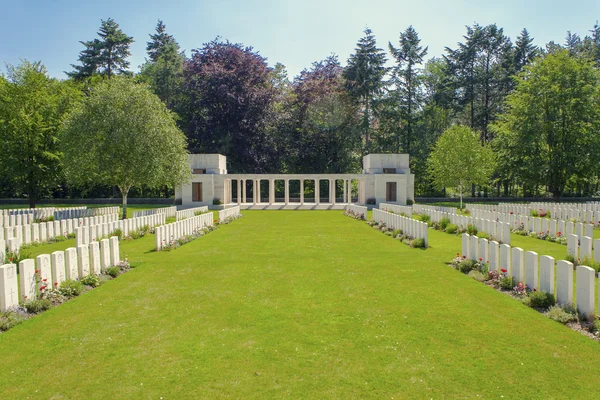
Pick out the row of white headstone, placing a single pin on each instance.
(576, 211)
(88, 233)
(409, 226)
(496, 229)
(73, 263)
(406, 210)
(357, 210)
(583, 247)
(190, 212)
(169, 212)
(85, 212)
(229, 212)
(423, 209)
(165, 235)
(536, 272)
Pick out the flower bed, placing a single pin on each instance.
(355, 215)
(397, 234)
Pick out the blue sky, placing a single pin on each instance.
(295, 33)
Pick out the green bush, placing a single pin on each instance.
(539, 299)
(71, 235)
(444, 222)
(397, 232)
(113, 271)
(483, 235)
(595, 326)
(424, 218)
(571, 259)
(90, 280)
(118, 233)
(10, 319)
(590, 262)
(561, 314)
(478, 276)
(71, 288)
(471, 229)
(507, 283)
(452, 229)
(467, 266)
(418, 243)
(217, 202)
(533, 213)
(409, 202)
(37, 306)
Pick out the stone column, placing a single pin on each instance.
(301, 191)
(239, 191)
(317, 192)
(287, 191)
(332, 191)
(345, 198)
(271, 191)
(243, 191)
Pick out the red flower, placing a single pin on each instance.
(503, 270)
(534, 289)
(464, 256)
(480, 259)
(37, 271)
(55, 283)
(10, 259)
(45, 280)
(42, 287)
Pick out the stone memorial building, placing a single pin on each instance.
(385, 178)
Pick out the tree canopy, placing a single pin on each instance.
(123, 135)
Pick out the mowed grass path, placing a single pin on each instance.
(300, 305)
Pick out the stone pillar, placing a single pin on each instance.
(331, 192)
(254, 191)
(287, 191)
(271, 191)
(239, 191)
(243, 191)
(345, 199)
(302, 191)
(317, 192)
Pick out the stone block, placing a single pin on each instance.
(564, 282)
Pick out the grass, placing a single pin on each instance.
(295, 304)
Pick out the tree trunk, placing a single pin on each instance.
(31, 202)
(124, 192)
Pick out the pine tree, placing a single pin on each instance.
(364, 78)
(106, 56)
(160, 41)
(525, 51)
(409, 55)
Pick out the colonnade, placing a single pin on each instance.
(242, 195)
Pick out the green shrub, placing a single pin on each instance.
(118, 233)
(533, 213)
(424, 218)
(37, 306)
(507, 283)
(90, 280)
(10, 319)
(444, 222)
(471, 229)
(467, 266)
(397, 232)
(217, 202)
(561, 314)
(539, 299)
(371, 200)
(571, 259)
(595, 326)
(113, 271)
(71, 235)
(451, 228)
(196, 213)
(483, 235)
(478, 276)
(590, 262)
(409, 202)
(71, 288)
(418, 243)
(15, 257)
(60, 238)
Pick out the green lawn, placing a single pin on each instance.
(301, 305)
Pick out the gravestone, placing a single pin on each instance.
(547, 274)
(42, 263)
(588, 230)
(95, 265)
(71, 268)
(105, 253)
(531, 270)
(43, 235)
(49, 230)
(27, 280)
(570, 228)
(564, 282)
(58, 267)
(35, 232)
(572, 245)
(505, 261)
(83, 261)
(585, 292)
(483, 250)
(585, 248)
(473, 247)
(494, 252)
(9, 288)
(579, 229)
(517, 264)
(115, 256)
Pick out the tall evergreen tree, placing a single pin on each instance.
(364, 79)
(525, 51)
(160, 42)
(409, 55)
(106, 56)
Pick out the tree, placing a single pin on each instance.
(525, 51)
(364, 78)
(230, 96)
(164, 69)
(551, 126)
(123, 135)
(32, 108)
(459, 160)
(409, 55)
(106, 56)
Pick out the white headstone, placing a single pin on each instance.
(105, 253)
(9, 288)
(494, 252)
(585, 249)
(505, 261)
(114, 250)
(27, 280)
(547, 274)
(564, 282)
(58, 268)
(531, 269)
(473, 247)
(585, 292)
(42, 263)
(572, 245)
(517, 264)
(83, 260)
(95, 264)
(71, 268)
